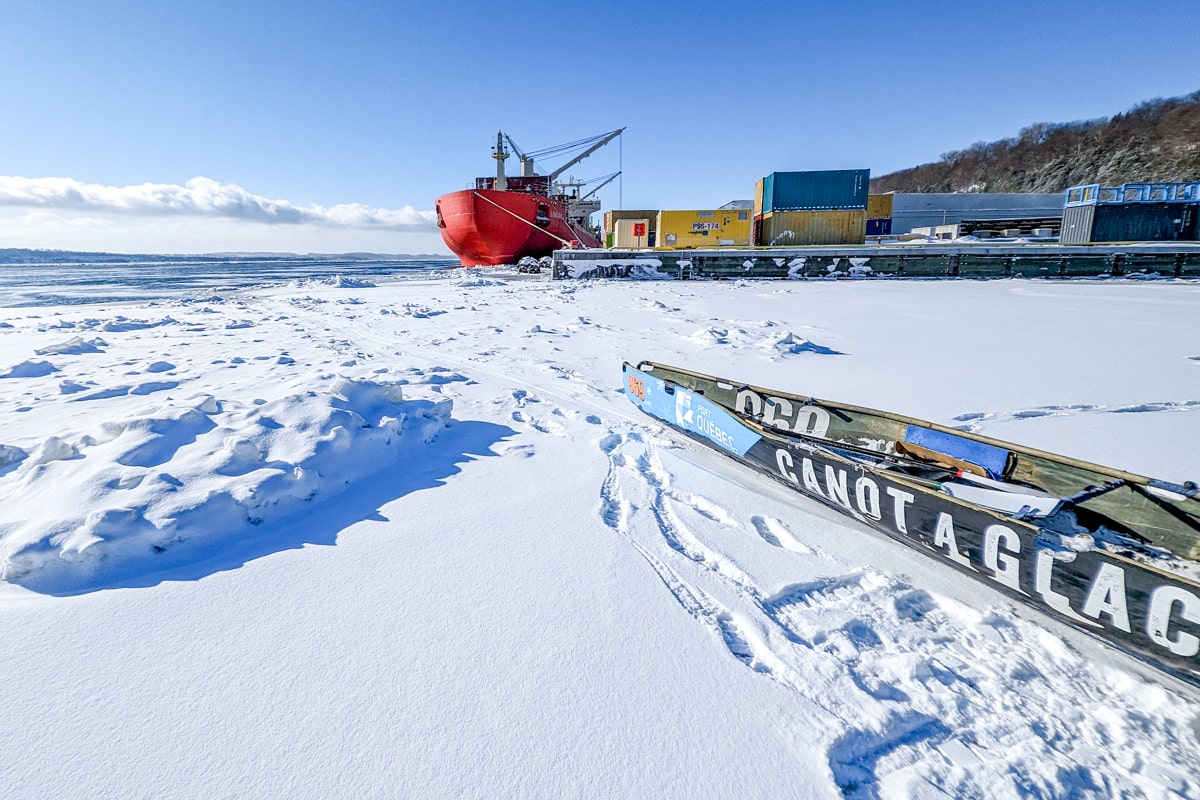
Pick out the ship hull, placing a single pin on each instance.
(486, 227)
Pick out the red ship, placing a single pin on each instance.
(504, 220)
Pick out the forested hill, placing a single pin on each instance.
(1155, 141)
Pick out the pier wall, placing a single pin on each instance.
(903, 261)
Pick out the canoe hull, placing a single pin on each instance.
(1127, 603)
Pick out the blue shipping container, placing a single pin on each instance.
(823, 190)
(879, 227)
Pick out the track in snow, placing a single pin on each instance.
(908, 681)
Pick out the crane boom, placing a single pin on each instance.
(526, 161)
(603, 183)
(554, 175)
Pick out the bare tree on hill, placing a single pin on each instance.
(1158, 140)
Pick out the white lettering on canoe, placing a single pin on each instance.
(943, 537)
(1042, 575)
(812, 420)
(835, 486)
(783, 460)
(1106, 595)
(1158, 619)
(810, 477)
(866, 494)
(1005, 566)
(771, 417)
(748, 402)
(782, 414)
(900, 499)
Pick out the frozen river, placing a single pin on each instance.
(102, 279)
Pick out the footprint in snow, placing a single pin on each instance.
(519, 450)
(522, 397)
(775, 533)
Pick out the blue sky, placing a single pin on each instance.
(313, 126)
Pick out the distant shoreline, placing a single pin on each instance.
(20, 255)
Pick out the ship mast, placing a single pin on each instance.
(501, 155)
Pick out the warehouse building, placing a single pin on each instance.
(935, 209)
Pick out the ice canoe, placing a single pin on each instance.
(1109, 552)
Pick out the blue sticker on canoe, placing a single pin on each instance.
(690, 411)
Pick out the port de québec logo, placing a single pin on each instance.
(684, 413)
(694, 413)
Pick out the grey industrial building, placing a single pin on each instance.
(930, 210)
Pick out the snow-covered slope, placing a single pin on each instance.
(410, 540)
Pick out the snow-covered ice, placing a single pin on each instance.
(405, 537)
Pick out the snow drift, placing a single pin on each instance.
(134, 494)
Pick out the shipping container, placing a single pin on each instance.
(758, 198)
(1077, 225)
(611, 218)
(1130, 222)
(879, 227)
(792, 228)
(1145, 222)
(707, 228)
(879, 206)
(632, 233)
(823, 190)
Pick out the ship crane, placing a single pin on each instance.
(525, 159)
(580, 207)
(603, 140)
(601, 185)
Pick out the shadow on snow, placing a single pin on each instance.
(318, 523)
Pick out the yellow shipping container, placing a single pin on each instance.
(717, 228)
(879, 206)
(612, 217)
(794, 228)
(758, 197)
(632, 233)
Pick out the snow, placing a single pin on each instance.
(405, 537)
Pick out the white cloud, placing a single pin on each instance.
(202, 216)
(202, 197)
